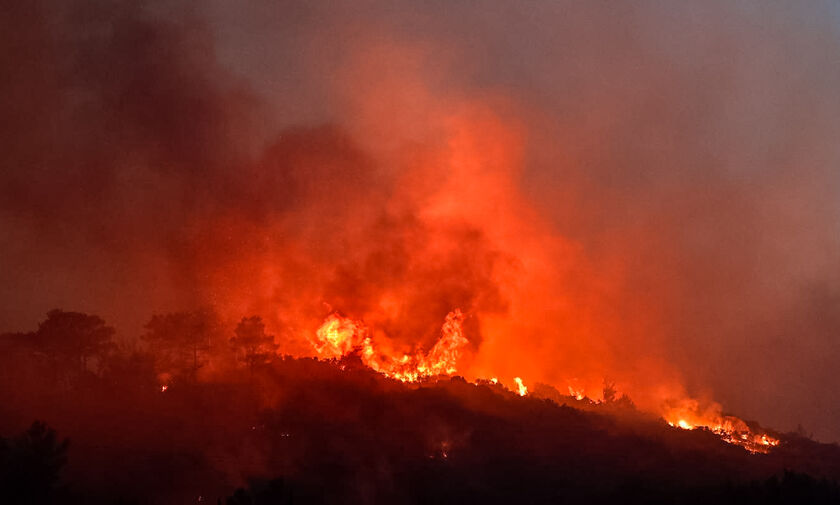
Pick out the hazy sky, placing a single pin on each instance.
(643, 190)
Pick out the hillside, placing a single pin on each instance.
(309, 431)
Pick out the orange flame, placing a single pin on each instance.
(521, 388)
(339, 336)
(444, 355)
(687, 415)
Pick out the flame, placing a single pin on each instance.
(521, 389)
(163, 388)
(444, 355)
(339, 336)
(688, 415)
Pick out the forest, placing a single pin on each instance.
(200, 411)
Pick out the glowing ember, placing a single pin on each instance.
(444, 450)
(163, 388)
(521, 389)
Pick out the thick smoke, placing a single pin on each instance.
(644, 192)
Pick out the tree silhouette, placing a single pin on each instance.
(610, 392)
(253, 346)
(131, 368)
(71, 338)
(181, 340)
(30, 465)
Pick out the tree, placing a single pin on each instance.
(610, 392)
(73, 337)
(253, 346)
(614, 398)
(180, 341)
(131, 369)
(30, 465)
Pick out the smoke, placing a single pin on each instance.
(643, 192)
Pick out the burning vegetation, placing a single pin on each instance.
(205, 406)
(339, 337)
(504, 249)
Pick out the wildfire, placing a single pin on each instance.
(521, 388)
(684, 425)
(340, 336)
(444, 355)
(688, 416)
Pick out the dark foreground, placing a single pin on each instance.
(306, 431)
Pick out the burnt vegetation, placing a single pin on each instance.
(201, 411)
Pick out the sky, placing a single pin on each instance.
(647, 192)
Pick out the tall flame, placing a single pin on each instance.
(520, 387)
(339, 336)
(443, 357)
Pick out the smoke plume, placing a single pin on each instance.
(646, 192)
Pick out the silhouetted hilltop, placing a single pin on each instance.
(307, 431)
